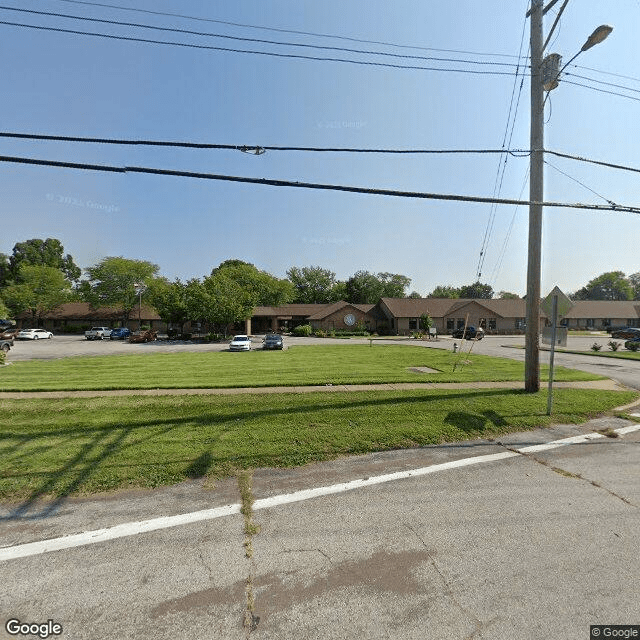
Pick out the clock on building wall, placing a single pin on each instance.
(349, 319)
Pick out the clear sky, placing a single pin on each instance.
(77, 85)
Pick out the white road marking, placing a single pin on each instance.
(165, 522)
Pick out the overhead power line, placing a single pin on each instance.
(255, 40)
(307, 185)
(251, 51)
(282, 30)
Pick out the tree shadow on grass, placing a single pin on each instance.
(475, 423)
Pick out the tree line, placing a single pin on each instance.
(38, 277)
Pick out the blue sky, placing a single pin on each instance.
(62, 84)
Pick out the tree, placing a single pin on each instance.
(445, 291)
(169, 299)
(114, 282)
(634, 279)
(218, 300)
(364, 288)
(507, 295)
(41, 289)
(315, 285)
(394, 285)
(477, 290)
(264, 289)
(46, 253)
(426, 322)
(612, 285)
(415, 295)
(4, 310)
(5, 270)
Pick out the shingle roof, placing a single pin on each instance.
(289, 310)
(442, 307)
(605, 309)
(83, 311)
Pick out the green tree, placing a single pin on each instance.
(612, 285)
(426, 322)
(394, 285)
(364, 288)
(507, 295)
(415, 295)
(218, 300)
(4, 310)
(41, 289)
(46, 253)
(5, 270)
(169, 299)
(263, 288)
(115, 281)
(445, 291)
(634, 279)
(315, 285)
(477, 290)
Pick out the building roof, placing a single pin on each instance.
(336, 306)
(289, 310)
(605, 309)
(83, 311)
(443, 307)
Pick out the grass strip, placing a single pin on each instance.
(298, 366)
(59, 447)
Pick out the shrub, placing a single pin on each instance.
(632, 345)
(613, 345)
(596, 347)
(320, 333)
(3, 355)
(303, 330)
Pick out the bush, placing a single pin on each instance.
(320, 333)
(632, 345)
(3, 355)
(613, 345)
(596, 347)
(303, 330)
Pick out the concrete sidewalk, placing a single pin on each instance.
(606, 385)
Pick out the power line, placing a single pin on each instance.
(281, 30)
(251, 51)
(502, 164)
(612, 93)
(308, 185)
(250, 148)
(611, 202)
(256, 40)
(608, 84)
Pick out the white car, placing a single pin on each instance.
(240, 343)
(34, 334)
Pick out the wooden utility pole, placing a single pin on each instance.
(536, 196)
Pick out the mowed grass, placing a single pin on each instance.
(297, 366)
(51, 448)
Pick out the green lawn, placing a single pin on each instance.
(304, 365)
(50, 448)
(621, 353)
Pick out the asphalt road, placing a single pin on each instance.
(536, 545)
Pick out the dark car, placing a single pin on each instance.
(272, 341)
(120, 333)
(629, 333)
(470, 334)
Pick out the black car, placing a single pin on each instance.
(628, 333)
(470, 334)
(272, 341)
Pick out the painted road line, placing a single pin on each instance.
(155, 524)
(112, 533)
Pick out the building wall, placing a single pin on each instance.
(335, 321)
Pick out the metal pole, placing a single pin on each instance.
(554, 321)
(536, 195)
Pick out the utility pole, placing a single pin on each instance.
(536, 197)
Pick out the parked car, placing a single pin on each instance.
(120, 333)
(148, 335)
(5, 345)
(97, 333)
(628, 333)
(470, 334)
(34, 334)
(272, 341)
(240, 343)
(8, 332)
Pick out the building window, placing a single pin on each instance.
(590, 323)
(483, 323)
(564, 322)
(450, 325)
(629, 322)
(413, 324)
(493, 324)
(460, 323)
(606, 322)
(521, 323)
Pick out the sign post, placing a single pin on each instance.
(559, 304)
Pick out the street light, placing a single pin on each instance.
(536, 185)
(140, 289)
